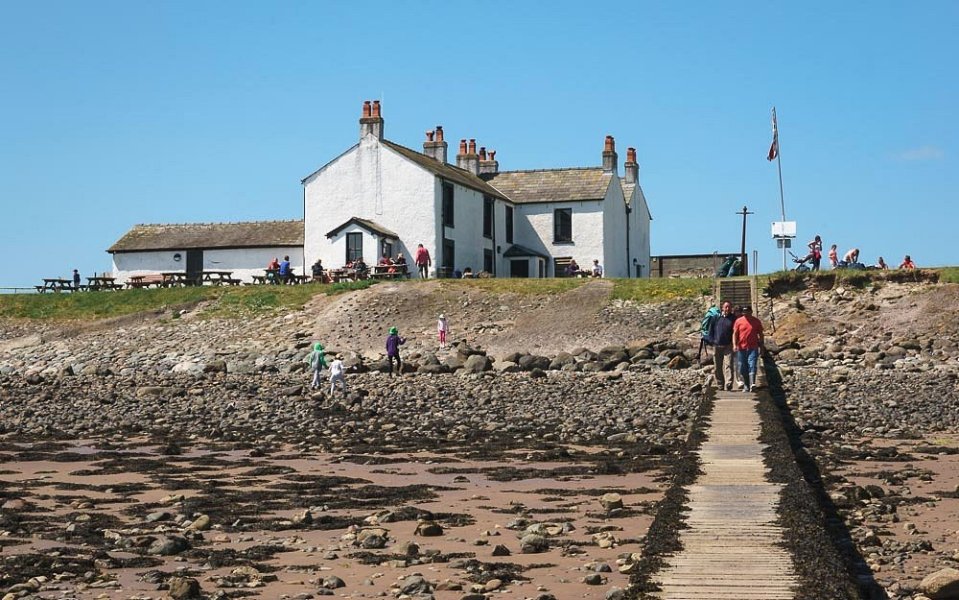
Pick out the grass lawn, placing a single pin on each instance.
(660, 290)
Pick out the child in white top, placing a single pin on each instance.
(442, 327)
(336, 374)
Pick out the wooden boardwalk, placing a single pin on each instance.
(732, 548)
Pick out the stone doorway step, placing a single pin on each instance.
(732, 549)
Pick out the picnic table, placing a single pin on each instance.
(344, 274)
(178, 279)
(55, 284)
(144, 281)
(102, 282)
(384, 272)
(218, 278)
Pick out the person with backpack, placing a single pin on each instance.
(704, 328)
(721, 338)
(393, 343)
(317, 360)
(747, 340)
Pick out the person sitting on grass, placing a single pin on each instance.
(907, 263)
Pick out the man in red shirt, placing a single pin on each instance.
(747, 340)
(423, 261)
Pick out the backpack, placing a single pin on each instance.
(707, 324)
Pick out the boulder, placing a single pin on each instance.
(477, 363)
(185, 588)
(941, 585)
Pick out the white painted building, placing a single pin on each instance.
(243, 248)
(379, 198)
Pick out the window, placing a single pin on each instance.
(449, 257)
(509, 224)
(354, 246)
(447, 204)
(563, 225)
(488, 261)
(387, 249)
(487, 217)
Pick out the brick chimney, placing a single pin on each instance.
(487, 163)
(467, 159)
(610, 161)
(435, 146)
(631, 166)
(371, 123)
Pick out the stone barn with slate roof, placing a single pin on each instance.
(244, 248)
(379, 198)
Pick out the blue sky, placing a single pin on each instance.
(116, 113)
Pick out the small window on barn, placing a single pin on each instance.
(447, 204)
(563, 225)
(354, 246)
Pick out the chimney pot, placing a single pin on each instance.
(429, 136)
(610, 144)
(472, 146)
(376, 108)
(609, 155)
(463, 146)
(630, 155)
(492, 154)
(366, 109)
(439, 133)
(482, 153)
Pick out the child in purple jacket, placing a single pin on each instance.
(393, 343)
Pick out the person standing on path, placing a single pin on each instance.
(317, 360)
(724, 360)
(423, 261)
(442, 327)
(336, 374)
(815, 252)
(747, 340)
(393, 343)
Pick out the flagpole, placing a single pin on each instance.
(779, 165)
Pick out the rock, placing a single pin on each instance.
(429, 528)
(188, 368)
(492, 585)
(184, 588)
(477, 363)
(941, 585)
(611, 501)
(593, 579)
(678, 362)
(533, 544)
(500, 550)
(165, 545)
(333, 582)
(615, 593)
(201, 523)
(415, 584)
(215, 366)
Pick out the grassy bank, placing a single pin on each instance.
(221, 301)
(660, 290)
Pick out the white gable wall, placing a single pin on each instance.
(614, 231)
(369, 181)
(244, 262)
(534, 229)
(467, 230)
(639, 230)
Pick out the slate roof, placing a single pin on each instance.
(367, 225)
(184, 236)
(445, 170)
(552, 185)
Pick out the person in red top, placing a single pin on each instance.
(747, 340)
(423, 261)
(907, 263)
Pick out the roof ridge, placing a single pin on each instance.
(450, 165)
(219, 223)
(551, 169)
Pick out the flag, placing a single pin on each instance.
(774, 147)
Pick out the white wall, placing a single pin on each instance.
(244, 262)
(639, 230)
(467, 230)
(614, 232)
(534, 229)
(370, 181)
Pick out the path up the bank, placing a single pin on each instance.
(732, 548)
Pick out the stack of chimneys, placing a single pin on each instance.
(631, 166)
(435, 146)
(610, 160)
(487, 162)
(371, 123)
(467, 158)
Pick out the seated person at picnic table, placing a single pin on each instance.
(361, 268)
(386, 260)
(907, 263)
(468, 273)
(317, 269)
(597, 268)
(285, 271)
(400, 260)
(572, 269)
(272, 268)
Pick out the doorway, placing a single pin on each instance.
(519, 268)
(194, 264)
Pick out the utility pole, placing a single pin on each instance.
(742, 251)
